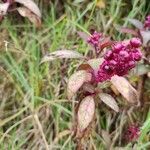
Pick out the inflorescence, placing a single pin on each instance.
(120, 59)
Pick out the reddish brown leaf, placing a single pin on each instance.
(138, 24)
(61, 54)
(25, 12)
(85, 113)
(105, 43)
(127, 30)
(31, 6)
(3, 8)
(76, 81)
(146, 37)
(125, 88)
(86, 67)
(109, 101)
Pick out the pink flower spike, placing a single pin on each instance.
(132, 133)
(95, 39)
(119, 60)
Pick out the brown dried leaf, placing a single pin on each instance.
(85, 113)
(138, 24)
(86, 67)
(127, 30)
(31, 6)
(106, 42)
(76, 81)
(25, 12)
(110, 101)
(146, 37)
(61, 54)
(125, 88)
(3, 8)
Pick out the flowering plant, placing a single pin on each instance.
(109, 61)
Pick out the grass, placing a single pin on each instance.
(35, 113)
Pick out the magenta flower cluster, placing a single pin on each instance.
(132, 133)
(119, 60)
(94, 39)
(147, 22)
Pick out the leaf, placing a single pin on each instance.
(127, 30)
(25, 12)
(61, 54)
(146, 37)
(141, 69)
(31, 6)
(125, 88)
(95, 63)
(85, 113)
(3, 8)
(138, 24)
(105, 43)
(86, 67)
(76, 81)
(101, 4)
(110, 101)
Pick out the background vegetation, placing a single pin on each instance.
(34, 110)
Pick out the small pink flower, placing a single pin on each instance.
(95, 39)
(132, 133)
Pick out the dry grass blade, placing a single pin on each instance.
(109, 101)
(125, 88)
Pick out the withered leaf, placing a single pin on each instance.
(61, 54)
(3, 8)
(138, 24)
(110, 101)
(85, 113)
(31, 6)
(125, 88)
(146, 37)
(25, 12)
(76, 81)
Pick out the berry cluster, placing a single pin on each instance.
(120, 59)
(132, 133)
(94, 39)
(147, 22)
